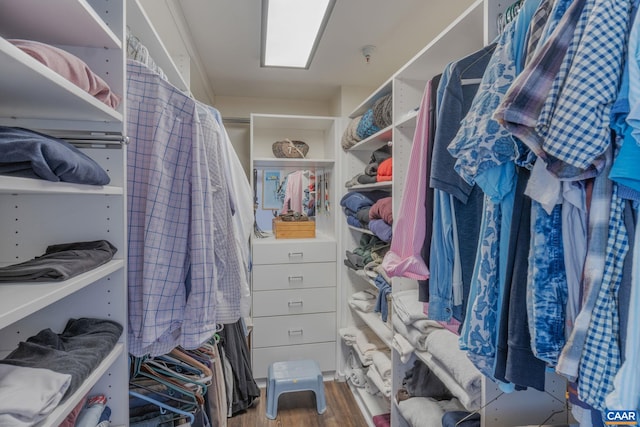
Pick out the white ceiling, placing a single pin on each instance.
(222, 37)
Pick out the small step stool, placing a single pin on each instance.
(294, 375)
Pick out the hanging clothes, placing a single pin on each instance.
(173, 266)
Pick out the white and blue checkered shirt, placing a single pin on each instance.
(172, 267)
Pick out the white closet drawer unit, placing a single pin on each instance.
(294, 252)
(269, 277)
(324, 353)
(295, 329)
(294, 301)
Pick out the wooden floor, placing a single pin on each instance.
(299, 409)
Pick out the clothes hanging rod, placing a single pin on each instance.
(236, 120)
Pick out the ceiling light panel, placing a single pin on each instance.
(291, 31)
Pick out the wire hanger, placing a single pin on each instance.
(163, 406)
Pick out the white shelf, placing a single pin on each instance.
(360, 230)
(375, 141)
(361, 274)
(276, 121)
(16, 185)
(264, 162)
(50, 96)
(371, 405)
(143, 29)
(19, 300)
(384, 185)
(375, 323)
(60, 22)
(60, 413)
(408, 121)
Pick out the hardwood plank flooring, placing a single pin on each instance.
(298, 409)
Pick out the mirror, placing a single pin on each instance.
(280, 190)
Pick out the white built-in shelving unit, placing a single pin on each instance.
(36, 213)
(294, 281)
(469, 32)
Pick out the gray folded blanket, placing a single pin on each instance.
(77, 351)
(60, 262)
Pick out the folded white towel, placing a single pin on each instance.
(403, 347)
(407, 306)
(349, 334)
(425, 411)
(470, 398)
(425, 326)
(365, 359)
(366, 306)
(383, 386)
(444, 347)
(364, 295)
(382, 362)
(28, 395)
(414, 336)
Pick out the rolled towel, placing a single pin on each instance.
(354, 370)
(350, 136)
(381, 111)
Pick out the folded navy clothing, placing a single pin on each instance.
(77, 351)
(356, 200)
(29, 154)
(60, 262)
(353, 221)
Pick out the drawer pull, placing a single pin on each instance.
(292, 278)
(295, 254)
(295, 331)
(292, 303)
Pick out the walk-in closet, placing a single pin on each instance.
(426, 219)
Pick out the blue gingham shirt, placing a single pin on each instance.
(598, 232)
(601, 353)
(170, 231)
(572, 125)
(522, 105)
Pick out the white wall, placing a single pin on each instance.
(348, 99)
(242, 107)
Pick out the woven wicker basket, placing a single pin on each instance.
(289, 149)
